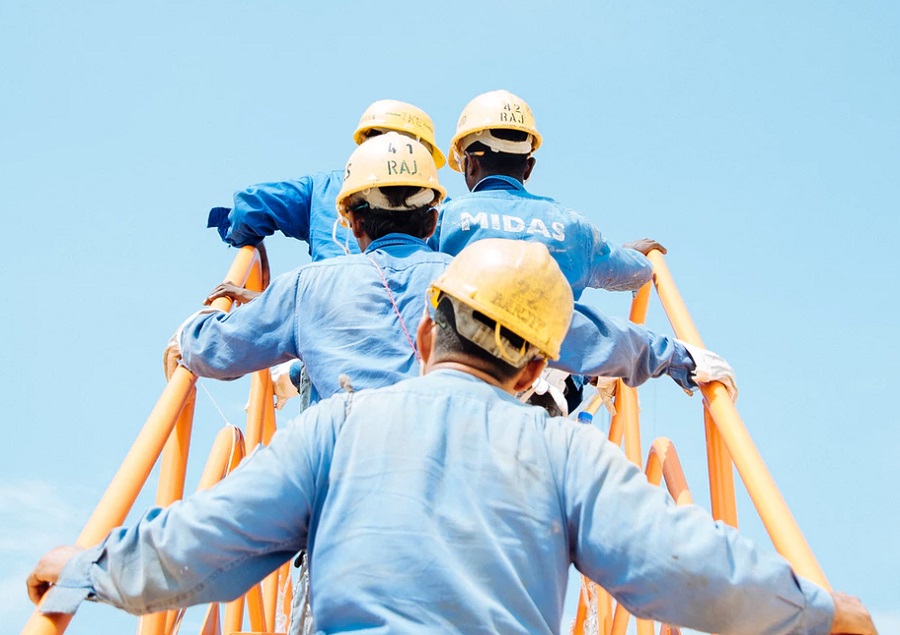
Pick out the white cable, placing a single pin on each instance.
(224, 418)
(345, 246)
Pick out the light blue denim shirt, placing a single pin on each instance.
(338, 317)
(443, 505)
(615, 347)
(501, 207)
(302, 208)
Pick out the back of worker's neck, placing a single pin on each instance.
(507, 386)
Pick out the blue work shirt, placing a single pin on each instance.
(443, 505)
(303, 208)
(501, 207)
(337, 316)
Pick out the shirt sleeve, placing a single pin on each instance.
(685, 568)
(263, 209)
(616, 268)
(614, 347)
(215, 545)
(253, 336)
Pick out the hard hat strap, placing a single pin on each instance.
(340, 220)
(497, 144)
(375, 197)
(490, 336)
(501, 346)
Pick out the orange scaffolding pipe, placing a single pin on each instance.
(624, 424)
(173, 469)
(728, 446)
(722, 499)
(772, 508)
(662, 462)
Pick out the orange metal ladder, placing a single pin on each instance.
(167, 434)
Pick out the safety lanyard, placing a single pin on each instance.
(384, 281)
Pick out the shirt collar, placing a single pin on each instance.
(458, 375)
(498, 182)
(391, 240)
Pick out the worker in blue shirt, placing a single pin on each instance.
(304, 208)
(443, 505)
(351, 314)
(493, 146)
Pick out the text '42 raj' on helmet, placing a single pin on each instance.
(496, 110)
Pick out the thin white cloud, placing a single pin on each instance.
(35, 516)
(14, 604)
(887, 622)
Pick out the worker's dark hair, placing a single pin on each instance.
(448, 341)
(381, 222)
(502, 162)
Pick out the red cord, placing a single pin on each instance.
(396, 308)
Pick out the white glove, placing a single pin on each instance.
(606, 388)
(553, 381)
(173, 347)
(711, 367)
(281, 383)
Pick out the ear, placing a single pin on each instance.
(356, 225)
(433, 215)
(424, 337)
(472, 171)
(471, 165)
(529, 373)
(529, 166)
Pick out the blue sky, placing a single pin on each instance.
(760, 142)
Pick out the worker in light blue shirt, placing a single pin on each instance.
(304, 208)
(493, 145)
(443, 505)
(338, 318)
(352, 315)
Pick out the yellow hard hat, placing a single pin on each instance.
(389, 114)
(388, 160)
(496, 110)
(517, 284)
